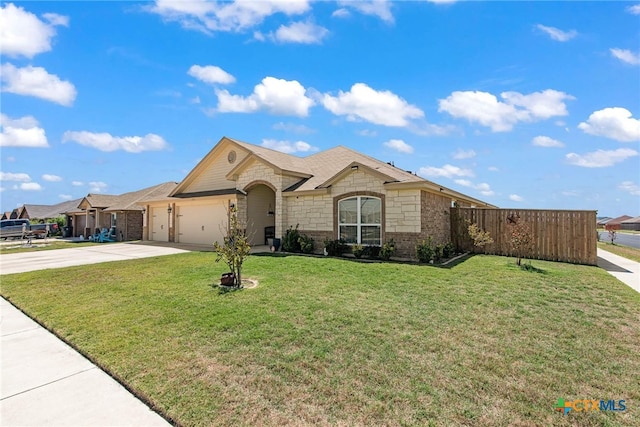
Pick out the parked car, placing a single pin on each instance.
(46, 230)
(11, 228)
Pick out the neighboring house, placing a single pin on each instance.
(11, 214)
(602, 221)
(615, 223)
(124, 211)
(631, 224)
(45, 212)
(337, 193)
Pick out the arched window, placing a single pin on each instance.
(360, 220)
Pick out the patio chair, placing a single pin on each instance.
(107, 235)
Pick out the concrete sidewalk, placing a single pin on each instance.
(59, 258)
(623, 269)
(47, 383)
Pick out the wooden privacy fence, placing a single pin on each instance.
(567, 236)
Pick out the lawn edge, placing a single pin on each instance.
(144, 399)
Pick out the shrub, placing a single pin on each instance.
(291, 240)
(425, 250)
(358, 250)
(438, 252)
(387, 250)
(306, 244)
(448, 250)
(335, 247)
(479, 237)
(371, 251)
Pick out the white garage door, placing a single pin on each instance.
(201, 224)
(159, 225)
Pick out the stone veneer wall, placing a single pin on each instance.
(410, 215)
(434, 222)
(263, 173)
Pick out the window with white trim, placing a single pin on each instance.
(360, 220)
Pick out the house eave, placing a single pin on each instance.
(314, 192)
(438, 189)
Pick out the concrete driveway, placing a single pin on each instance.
(59, 258)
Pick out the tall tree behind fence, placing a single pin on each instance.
(567, 236)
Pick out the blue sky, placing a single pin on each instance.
(521, 104)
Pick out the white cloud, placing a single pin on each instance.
(51, 178)
(23, 34)
(545, 141)
(485, 108)
(399, 145)
(293, 128)
(446, 171)
(493, 169)
(379, 8)
(600, 158)
(10, 176)
(22, 132)
(464, 154)
(36, 81)
(56, 20)
(195, 100)
(276, 96)
(483, 187)
(211, 74)
(236, 16)
(367, 132)
(341, 13)
(77, 183)
(557, 34)
(378, 107)
(515, 198)
(630, 187)
(288, 147)
(65, 196)
(300, 32)
(635, 9)
(97, 187)
(614, 123)
(107, 142)
(625, 55)
(30, 186)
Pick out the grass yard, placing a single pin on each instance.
(19, 246)
(624, 251)
(326, 341)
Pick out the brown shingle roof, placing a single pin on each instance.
(327, 164)
(283, 161)
(134, 200)
(635, 220)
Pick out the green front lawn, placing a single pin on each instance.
(325, 341)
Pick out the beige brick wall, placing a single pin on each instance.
(315, 212)
(403, 211)
(310, 212)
